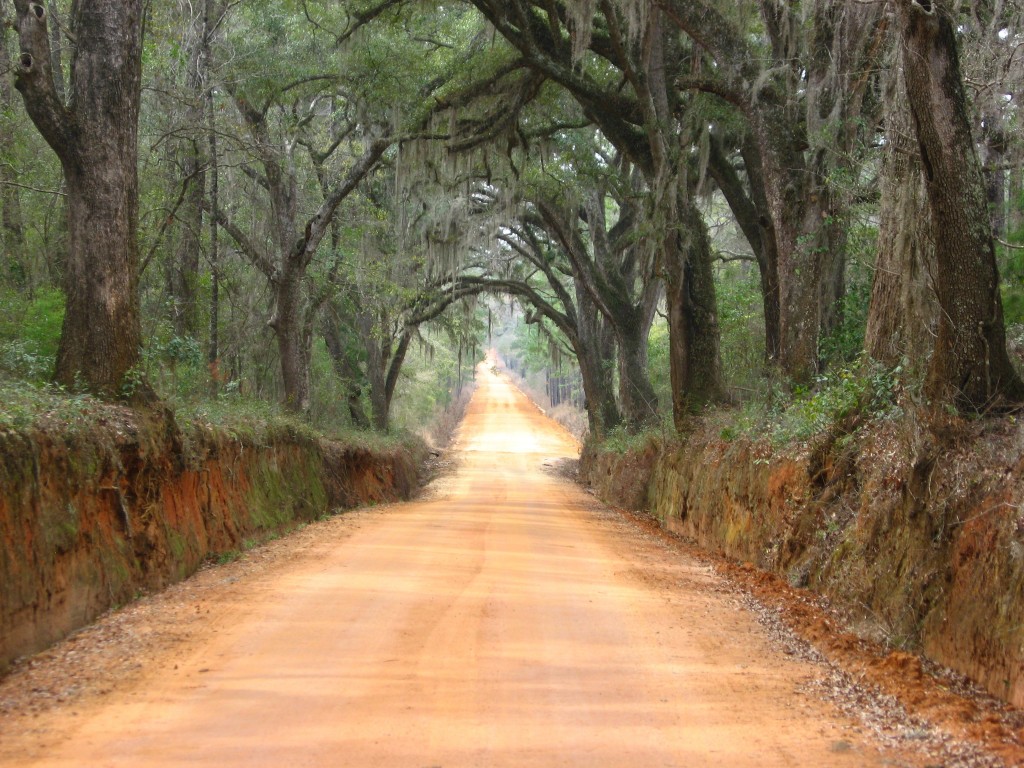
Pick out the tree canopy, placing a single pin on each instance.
(691, 203)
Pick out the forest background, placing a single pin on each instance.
(779, 215)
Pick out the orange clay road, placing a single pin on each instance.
(508, 620)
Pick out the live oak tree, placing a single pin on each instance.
(604, 263)
(95, 135)
(293, 243)
(801, 89)
(285, 115)
(902, 312)
(969, 366)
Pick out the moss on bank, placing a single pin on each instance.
(912, 524)
(99, 502)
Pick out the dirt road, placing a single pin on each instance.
(507, 620)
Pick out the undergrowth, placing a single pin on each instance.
(622, 439)
(24, 404)
(838, 401)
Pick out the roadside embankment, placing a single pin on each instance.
(916, 533)
(91, 517)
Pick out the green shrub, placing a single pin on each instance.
(29, 333)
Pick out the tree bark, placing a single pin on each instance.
(694, 360)
(595, 351)
(293, 341)
(969, 367)
(13, 270)
(96, 141)
(903, 312)
(184, 269)
(347, 369)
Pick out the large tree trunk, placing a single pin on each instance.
(639, 401)
(970, 367)
(294, 342)
(902, 313)
(96, 141)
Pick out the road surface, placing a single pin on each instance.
(506, 620)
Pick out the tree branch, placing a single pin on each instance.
(317, 226)
(35, 81)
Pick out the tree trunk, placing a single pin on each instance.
(637, 396)
(970, 367)
(13, 270)
(293, 342)
(594, 353)
(378, 352)
(902, 313)
(184, 277)
(96, 141)
(213, 351)
(391, 380)
(694, 357)
(347, 370)
(754, 220)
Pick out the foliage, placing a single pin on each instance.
(741, 320)
(24, 405)
(477, 134)
(840, 401)
(29, 332)
(624, 441)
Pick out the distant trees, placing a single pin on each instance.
(643, 121)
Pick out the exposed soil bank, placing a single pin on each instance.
(918, 534)
(88, 520)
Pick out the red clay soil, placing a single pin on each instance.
(505, 620)
(937, 699)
